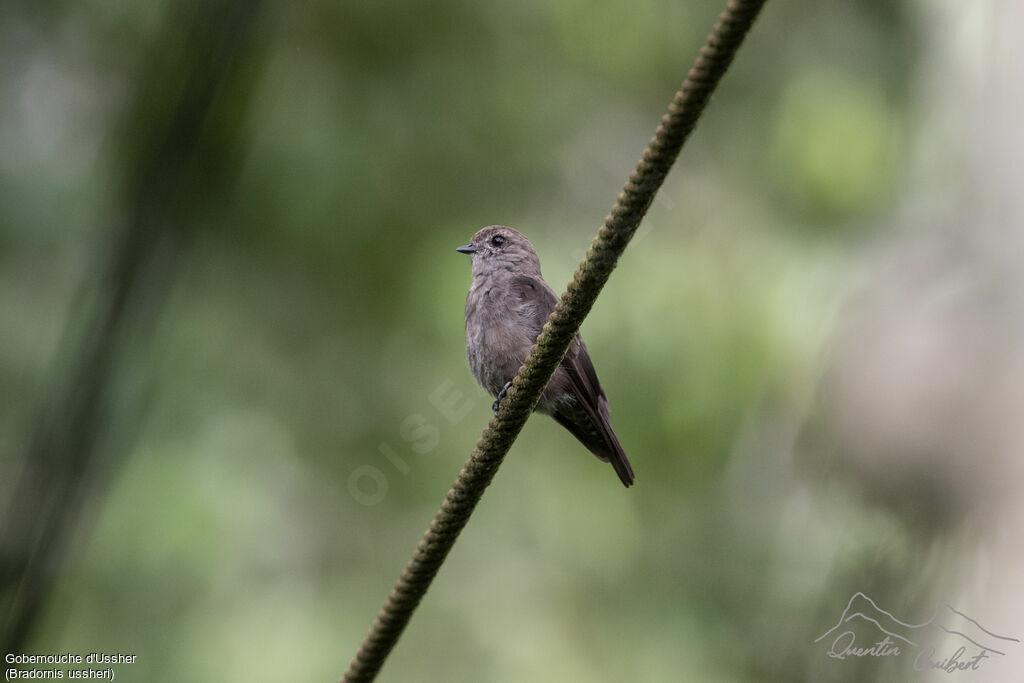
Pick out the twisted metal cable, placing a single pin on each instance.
(553, 341)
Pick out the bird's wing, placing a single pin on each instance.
(587, 417)
(537, 300)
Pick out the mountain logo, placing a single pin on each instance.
(949, 630)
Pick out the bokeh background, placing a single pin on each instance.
(233, 387)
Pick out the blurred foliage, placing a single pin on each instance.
(313, 326)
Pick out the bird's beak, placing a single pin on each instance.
(466, 249)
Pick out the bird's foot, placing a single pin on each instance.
(501, 395)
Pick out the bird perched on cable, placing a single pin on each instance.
(507, 305)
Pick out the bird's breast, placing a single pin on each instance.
(496, 339)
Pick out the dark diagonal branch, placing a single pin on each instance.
(178, 141)
(619, 227)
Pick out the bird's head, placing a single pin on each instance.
(498, 247)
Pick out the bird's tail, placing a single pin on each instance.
(594, 430)
(615, 455)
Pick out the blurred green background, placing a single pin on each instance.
(233, 386)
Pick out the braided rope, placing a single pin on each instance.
(619, 227)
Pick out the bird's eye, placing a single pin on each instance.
(497, 240)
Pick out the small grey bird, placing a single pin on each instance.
(507, 305)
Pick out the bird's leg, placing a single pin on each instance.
(501, 395)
